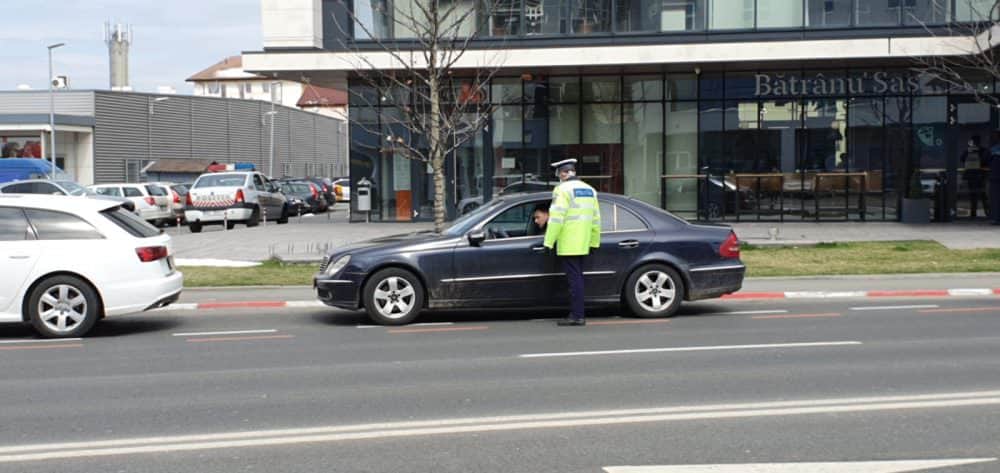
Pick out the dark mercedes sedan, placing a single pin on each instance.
(649, 260)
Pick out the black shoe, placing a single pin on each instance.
(571, 322)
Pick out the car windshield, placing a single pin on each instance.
(466, 222)
(74, 189)
(295, 188)
(221, 180)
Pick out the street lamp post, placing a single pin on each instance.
(52, 110)
(272, 114)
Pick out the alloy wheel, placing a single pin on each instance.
(655, 291)
(62, 308)
(394, 297)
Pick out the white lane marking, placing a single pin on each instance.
(51, 340)
(754, 312)
(896, 466)
(229, 332)
(823, 295)
(127, 446)
(970, 292)
(369, 326)
(896, 307)
(431, 324)
(304, 304)
(694, 348)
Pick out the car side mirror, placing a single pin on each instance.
(477, 237)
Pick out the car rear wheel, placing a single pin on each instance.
(195, 227)
(284, 215)
(654, 290)
(63, 306)
(394, 297)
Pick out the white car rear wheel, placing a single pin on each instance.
(63, 306)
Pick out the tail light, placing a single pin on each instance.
(325, 189)
(151, 253)
(730, 249)
(315, 192)
(338, 190)
(239, 196)
(189, 202)
(177, 197)
(150, 201)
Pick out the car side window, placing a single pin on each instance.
(112, 191)
(13, 225)
(627, 221)
(511, 223)
(45, 188)
(51, 225)
(607, 216)
(23, 188)
(132, 192)
(259, 183)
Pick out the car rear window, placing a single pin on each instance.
(297, 188)
(156, 191)
(221, 180)
(132, 192)
(13, 225)
(131, 223)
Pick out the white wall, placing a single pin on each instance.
(292, 23)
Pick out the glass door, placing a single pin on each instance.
(970, 122)
(930, 153)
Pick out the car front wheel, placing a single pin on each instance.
(63, 306)
(393, 297)
(654, 290)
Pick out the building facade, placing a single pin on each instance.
(770, 110)
(104, 136)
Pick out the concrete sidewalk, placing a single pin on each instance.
(308, 239)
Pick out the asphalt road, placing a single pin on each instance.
(311, 390)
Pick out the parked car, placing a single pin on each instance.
(19, 169)
(303, 197)
(176, 199)
(469, 204)
(493, 257)
(325, 186)
(70, 262)
(228, 198)
(150, 201)
(342, 189)
(70, 188)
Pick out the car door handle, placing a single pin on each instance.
(629, 244)
(538, 248)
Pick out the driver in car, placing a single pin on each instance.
(539, 218)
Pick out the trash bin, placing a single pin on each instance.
(363, 195)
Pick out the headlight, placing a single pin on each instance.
(338, 265)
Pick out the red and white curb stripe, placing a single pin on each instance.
(958, 292)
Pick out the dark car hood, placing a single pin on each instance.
(394, 243)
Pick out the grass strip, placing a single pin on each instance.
(826, 259)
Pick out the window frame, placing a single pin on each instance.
(40, 237)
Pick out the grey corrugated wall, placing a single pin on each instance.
(226, 130)
(80, 103)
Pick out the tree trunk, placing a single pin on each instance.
(439, 193)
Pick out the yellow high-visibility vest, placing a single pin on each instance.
(574, 225)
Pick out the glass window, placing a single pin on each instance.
(607, 210)
(974, 10)
(371, 19)
(639, 15)
(564, 89)
(132, 192)
(682, 87)
(682, 157)
(505, 90)
(679, 15)
(927, 12)
(61, 226)
(711, 86)
(564, 124)
(504, 18)
(220, 180)
(828, 13)
(112, 191)
(259, 183)
(779, 13)
(513, 222)
(45, 188)
(625, 220)
(22, 188)
(643, 154)
(544, 17)
(156, 191)
(731, 14)
(602, 123)
(589, 16)
(741, 85)
(131, 223)
(601, 89)
(643, 88)
(879, 12)
(13, 225)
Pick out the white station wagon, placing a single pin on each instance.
(69, 262)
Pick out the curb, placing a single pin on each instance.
(745, 296)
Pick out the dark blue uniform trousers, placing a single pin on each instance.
(573, 266)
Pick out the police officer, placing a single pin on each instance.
(574, 227)
(994, 164)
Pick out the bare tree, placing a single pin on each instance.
(426, 72)
(973, 64)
